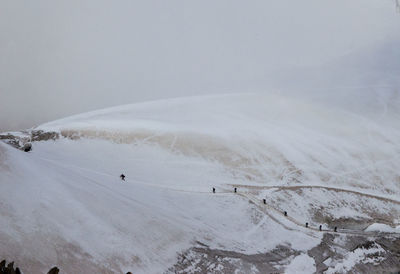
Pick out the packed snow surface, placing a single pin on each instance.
(383, 228)
(64, 203)
(302, 264)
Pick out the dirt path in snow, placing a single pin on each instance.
(279, 217)
(287, 222)
(385, 199)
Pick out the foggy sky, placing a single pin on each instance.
(59, 58)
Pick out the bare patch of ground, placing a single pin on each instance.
(203, 259)
(40, 135)
(333, 249)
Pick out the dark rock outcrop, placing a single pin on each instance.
(27, 147)
(40, 135)
(54, 270)
(8, 268)
(23, 140)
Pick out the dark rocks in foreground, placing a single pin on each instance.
(9, 269)
(54, 270)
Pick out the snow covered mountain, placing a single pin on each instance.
(64, 204)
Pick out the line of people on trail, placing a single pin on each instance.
(122, 176)
(284, 213)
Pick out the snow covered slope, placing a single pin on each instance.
(265, 139)
(64, 204)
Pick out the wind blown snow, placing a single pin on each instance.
(64, 202)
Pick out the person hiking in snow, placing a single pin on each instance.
(122, 176)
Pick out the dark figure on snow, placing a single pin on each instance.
(122, 177)
(213, 189)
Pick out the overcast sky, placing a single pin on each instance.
(59, 58)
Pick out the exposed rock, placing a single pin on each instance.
(17, 141)
(334, 249)
(40, 135)
(9, 269)
(23, 140)
(54, 270)
(206, 260)
(27, 147)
